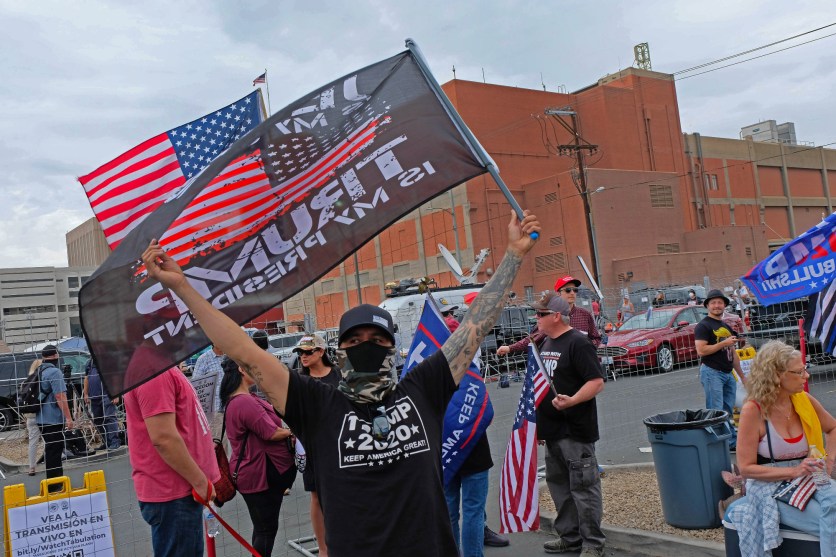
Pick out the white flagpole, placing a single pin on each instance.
(267, 84)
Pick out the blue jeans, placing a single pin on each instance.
(472, 492)
(176, 527)
(720, 389)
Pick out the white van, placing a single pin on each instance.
(406, 309)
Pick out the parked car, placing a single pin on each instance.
(282, 345)
(661, 341)
(514, 324)
(780, 322)
(15, 367)
(674, 296)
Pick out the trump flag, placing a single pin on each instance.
(799, 268)
(470, 411)
(302, 191)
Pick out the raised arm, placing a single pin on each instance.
(271, 376)
(484, 311)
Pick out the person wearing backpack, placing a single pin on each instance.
(32, 425)
(54, 415)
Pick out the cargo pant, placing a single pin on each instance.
(574, 483)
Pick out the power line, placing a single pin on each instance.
(754, 50)
(756, 57)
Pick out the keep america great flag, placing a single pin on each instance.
(306, 188)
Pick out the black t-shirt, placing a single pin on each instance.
(570, 360)
(379, 500)
(713, 331)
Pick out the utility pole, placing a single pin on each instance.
(577, 149)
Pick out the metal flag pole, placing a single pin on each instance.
(474, 144)
(267, 84)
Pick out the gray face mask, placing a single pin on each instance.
(368, 371)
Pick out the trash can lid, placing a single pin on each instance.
(686, 419)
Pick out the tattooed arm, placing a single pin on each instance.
(485, 309)
(271, 376)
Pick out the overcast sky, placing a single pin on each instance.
(81, 82)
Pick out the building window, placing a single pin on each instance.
(327, 286)
(72, 307)
(551, 197)
(72, 282)
(73, 294)
(401, 271)
(714, 182)
(667, 248)
(549, 263)
(661, 197)
(62, 309)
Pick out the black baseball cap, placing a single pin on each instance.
(49, 351)
(367, 315)
(260, 338)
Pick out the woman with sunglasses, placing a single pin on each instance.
(259, 453)
(317, 365)
(779, 423)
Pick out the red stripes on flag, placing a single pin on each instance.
(519, 496)
(128, 188)
(519, 502)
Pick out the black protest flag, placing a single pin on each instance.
(321, 178)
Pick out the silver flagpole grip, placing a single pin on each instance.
(474, 144)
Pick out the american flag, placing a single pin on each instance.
(260, 79)
(519, 498)
(821, 313)
(127, 189)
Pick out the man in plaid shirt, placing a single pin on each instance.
(579, 319)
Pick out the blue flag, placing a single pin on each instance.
(799, 268)
(469, 412)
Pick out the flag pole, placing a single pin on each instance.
(267, 84)
(475, 146)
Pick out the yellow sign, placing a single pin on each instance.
(69, 522)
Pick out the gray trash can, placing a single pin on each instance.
(690, 450)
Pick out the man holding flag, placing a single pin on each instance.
(568, 422)
(377, 442)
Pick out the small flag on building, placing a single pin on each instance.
(260, 79)
(519, 497)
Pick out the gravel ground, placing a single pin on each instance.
(15, 447)
(631, 500)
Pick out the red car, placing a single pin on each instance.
(660, 342)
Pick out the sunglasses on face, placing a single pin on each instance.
(571, 289)
(308, 352)
(543, 313)
(380, 425)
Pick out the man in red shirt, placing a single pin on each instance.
(579, 319)
(171, 454)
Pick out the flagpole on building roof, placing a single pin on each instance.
(477, 148)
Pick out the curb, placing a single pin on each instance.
(651, 544)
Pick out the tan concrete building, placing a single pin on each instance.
(86, 245)
(39, 304)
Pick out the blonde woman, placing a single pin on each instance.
(32, 426)
(778, 423)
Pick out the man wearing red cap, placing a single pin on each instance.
(579, 319)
